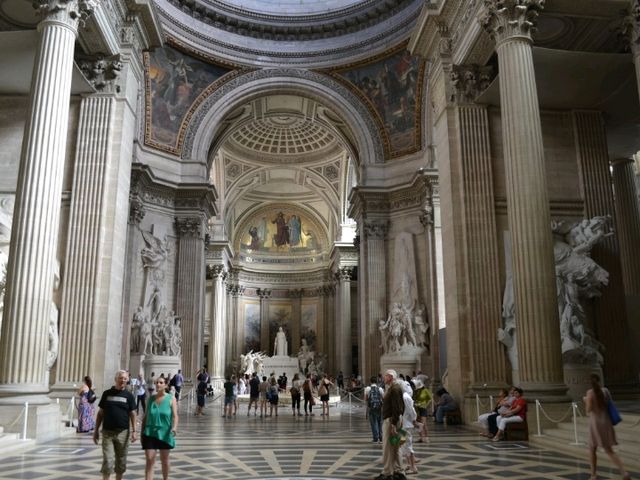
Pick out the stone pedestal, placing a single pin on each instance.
(280, 364)
(407, 361)
(576, 377)
(159, 364)
(44, 422)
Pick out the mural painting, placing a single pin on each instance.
(309, 324)
(252, 327)
(279, 316)
(392, 87)
(281, 231)
(174, 82)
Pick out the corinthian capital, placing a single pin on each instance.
(188, 226)
(376, 229)
(102, 72)
(506, 19)
(69, 12)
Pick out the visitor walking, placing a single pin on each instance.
(392, 410)
(178, 381)
(86, 408)
(373, 400)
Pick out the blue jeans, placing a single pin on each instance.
(375, 420)
(444, 408)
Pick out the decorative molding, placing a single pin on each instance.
(469, 81)
(376, 229)
(505, 19)
(70, 13)
(102, 72)
(246, 77)
(136, 209)
(188, 226)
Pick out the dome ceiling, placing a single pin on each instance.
(292, 32)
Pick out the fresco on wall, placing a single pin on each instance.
(174, 81)
(252, 327)
(309, 324)
(392, 87)
(281, 231)
(279, 316)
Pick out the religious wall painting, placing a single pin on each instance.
(309, 323)
(176, 83)
(391, 85)
(251, 326)
(280, 315)
(282, 230)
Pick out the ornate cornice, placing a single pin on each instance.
(508, 19)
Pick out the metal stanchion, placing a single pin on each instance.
(491, 402)
(477, 405)
(539, 434)
(26, 420)
(574, 408)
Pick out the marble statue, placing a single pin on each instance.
(146, 336)
(252, 362)
(421, 325)
(6, 217)
(280, 346)
(54, 314)
(136, 325)
(305, 355)
(578, 278)
(175, 345)
(156, 252)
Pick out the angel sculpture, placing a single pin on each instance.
(156, 253)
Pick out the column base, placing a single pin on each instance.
(44, 422)
(63, 391)
(545, 392)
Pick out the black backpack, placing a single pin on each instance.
(374, 399)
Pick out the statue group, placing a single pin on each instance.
(158, 334)
(578, 277)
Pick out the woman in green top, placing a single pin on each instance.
(421, 398)
(159, 429)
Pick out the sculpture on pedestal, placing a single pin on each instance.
(305, 355)
(280, 345)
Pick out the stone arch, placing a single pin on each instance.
(205, 123)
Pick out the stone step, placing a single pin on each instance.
(11, 443)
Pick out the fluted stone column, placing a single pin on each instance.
(190, 284)
(328, 309)
(539, 353)
(296, 313)
(628, 234)
(612, 328)
(264, 295)
(430, 219)
(34, 234)
(373, 244)
(343, 322)
(218, 337)
(628, 223)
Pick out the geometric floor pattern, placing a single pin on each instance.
(292, 448)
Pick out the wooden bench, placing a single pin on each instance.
(453, 417)
(517, 431)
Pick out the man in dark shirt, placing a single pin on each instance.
(178, 380)
(254, 393)
(392, 409)
(117, 416)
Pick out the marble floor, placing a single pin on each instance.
(287, 447)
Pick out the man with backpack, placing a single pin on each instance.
(373, 399)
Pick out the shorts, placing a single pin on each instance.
(228, 400)
(324, 398)
(115, 445)
(422, 412)
(153, 443)
(254, 398)
(273, 400)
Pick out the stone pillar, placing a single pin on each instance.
(374, 252)
(296, 319)
(540, 360)
(343, 322)
(428, 219)
(264, 295)
(628, 235)
(190, 284)
(218, 336)
(328, 301)
(34, 234)
(611, 328)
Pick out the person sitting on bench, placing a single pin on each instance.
(446, 403)
(517, 413)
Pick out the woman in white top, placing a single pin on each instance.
(409, 418)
